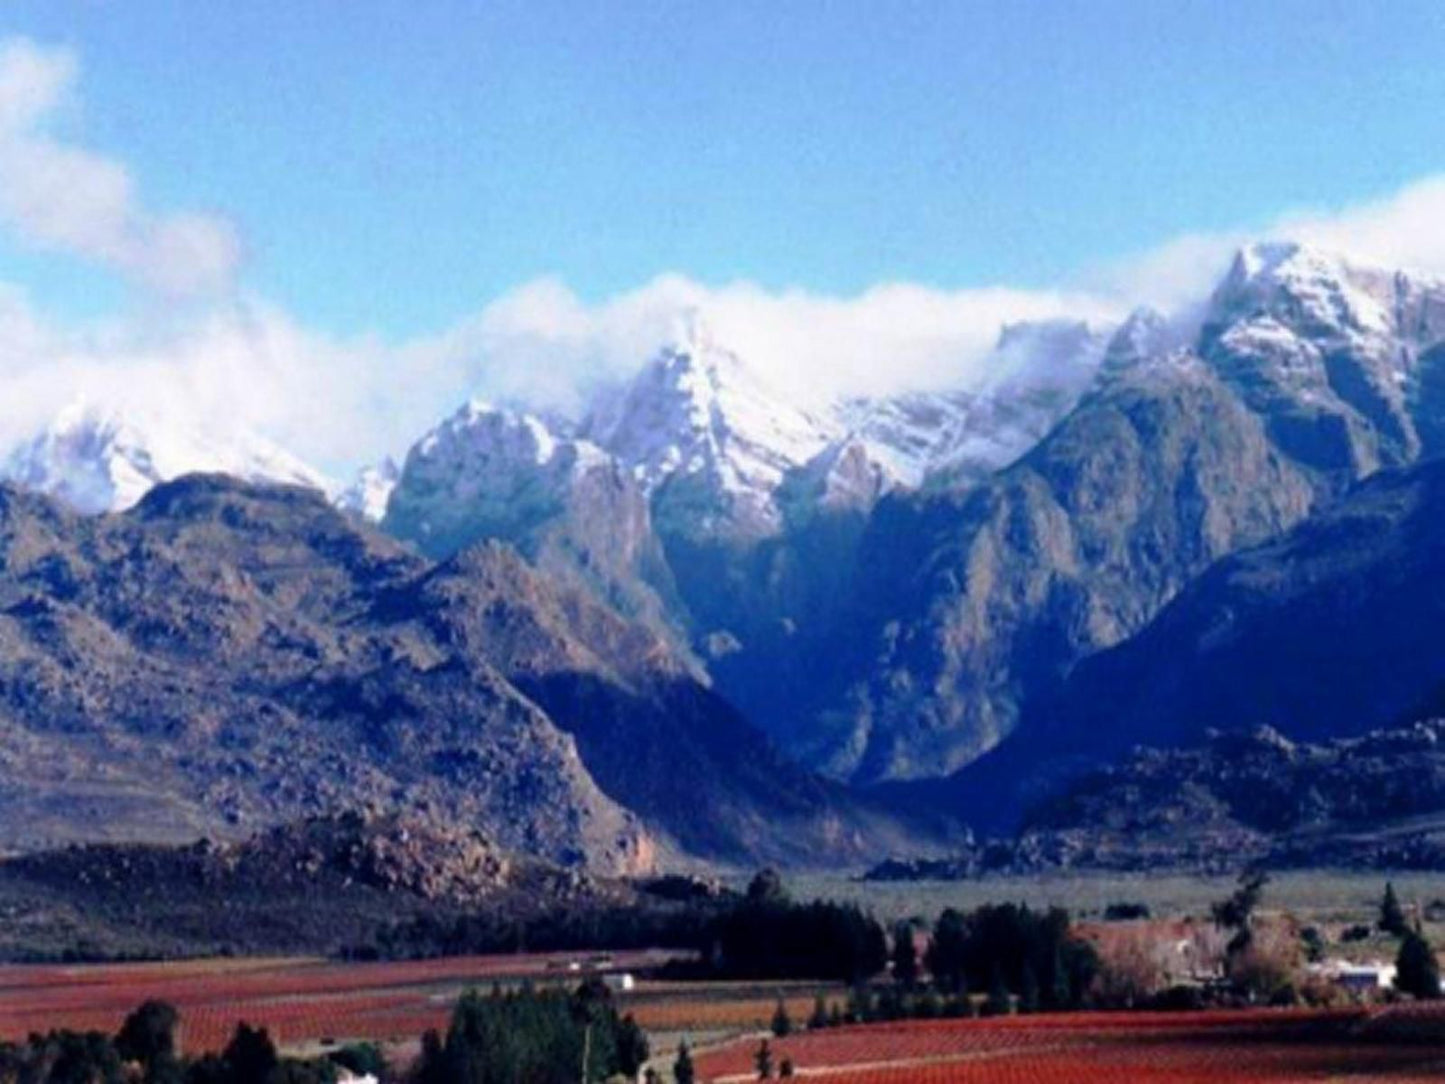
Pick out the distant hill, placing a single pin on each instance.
(325, 884)
(1229, 801)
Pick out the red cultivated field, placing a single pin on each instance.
(296, 1000)
(1214, 1047)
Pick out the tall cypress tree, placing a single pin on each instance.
(682, 1070)
(1417, 971)
(1392, 915)
(905, 955)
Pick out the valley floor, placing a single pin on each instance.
(1312, 896)
(310, 1005)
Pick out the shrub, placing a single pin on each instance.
(1269, 962)
(1133, 969)
(1125, 912)
(782, 1022)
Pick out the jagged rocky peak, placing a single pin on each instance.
(844, 477)
(487, 471)
(105, 458)
(1305, 288)
(369, 492)
(906, 435)
(708, 428)
(1035, 374)
(1146, 335)
(1342, 358)
(1329, 297)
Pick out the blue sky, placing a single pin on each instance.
(330, 222)
(393, 166)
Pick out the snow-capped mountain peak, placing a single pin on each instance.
(104, 459)
(1308, 289)
(698, 412)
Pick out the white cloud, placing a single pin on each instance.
(1402, 231)
(56, 195)
(341, 402)
(540, 342)
(1405, 230)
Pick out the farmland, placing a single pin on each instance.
(300, 1001)
(304, 1001)
(1233, 1047)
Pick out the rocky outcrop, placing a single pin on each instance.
(327, 885)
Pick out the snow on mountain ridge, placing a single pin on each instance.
(487, 463)
(698, 417)
(1325, 292)
(1298, 305)
(105, 459)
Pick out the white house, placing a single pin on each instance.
(1371, 975)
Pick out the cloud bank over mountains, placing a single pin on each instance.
(228, 356)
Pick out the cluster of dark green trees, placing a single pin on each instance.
(541, 1037)
(602, 929)
(1417, 969)
(1011, 952)
(145, 1050)
(1010, 947)
(779, 939)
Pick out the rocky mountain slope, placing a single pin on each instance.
(1230, 801)
(702, 502)
(1323, 632)
(205, 663)
(929, 595)
(1307, 374)
(572, 510)
(1261, 781)
(1227, 801)
(226, 656)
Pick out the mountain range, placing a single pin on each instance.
(1218, 517)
